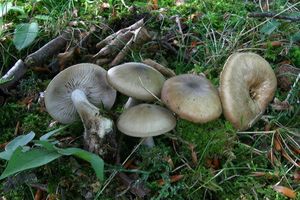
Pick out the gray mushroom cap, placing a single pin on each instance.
(146, 120)
(247, 85)
(87, 77)
(192, 97)
(134, 79)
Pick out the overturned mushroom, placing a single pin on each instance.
(80, 89)
(247, 85)
(192, 97)
(136, 80)
(146, 120)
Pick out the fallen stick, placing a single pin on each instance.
(137, 188)
(162, 69)
(275, 16)
(35, 59)
(14, 74)
(49, 50)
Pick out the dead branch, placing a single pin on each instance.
(49, 50)
(275, 16)
(119, 44)
(162, 69)
(137, 189)
(14, 74)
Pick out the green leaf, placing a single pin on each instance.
(25, 34)
(21, 161)
(269, 27)
(49, 134)
(19, 141)
(6, 7)
(96, 162)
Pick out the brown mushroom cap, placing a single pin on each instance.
(146, 120)
(87, 77)
(247, 85)
(192, 97)
(134, 79)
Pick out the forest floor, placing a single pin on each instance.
(194, 161)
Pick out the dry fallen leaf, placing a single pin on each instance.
(193, 154)
(169, 160)
(285, 191)
(173, 179)
(277, 143)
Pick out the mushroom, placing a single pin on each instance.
(136, 80)
(192, 97)
(247, 85)
(80, 89)
(146, 121)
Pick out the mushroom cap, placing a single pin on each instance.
(146, 120)
(247, 85)
(134, 79)
(192, 97)
(87, 77)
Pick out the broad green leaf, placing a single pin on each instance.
(25, 34)
(96, 162)
(269, 27)
(6, 7)
(47, 145)
(19, 141)
(21, 161)
(49, 134)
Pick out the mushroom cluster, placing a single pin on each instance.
(247, 85)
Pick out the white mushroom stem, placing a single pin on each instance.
(88, 112)
(96, 126)
(131, 102)
(148, 141)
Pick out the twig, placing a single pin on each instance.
(255, 132)
(136, 188)
(254, 28)
(14, 74)
(48, 50)
(158, 99)
(291, 91)
(275, 16)
(162, 69)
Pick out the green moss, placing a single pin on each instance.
(214, 138)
